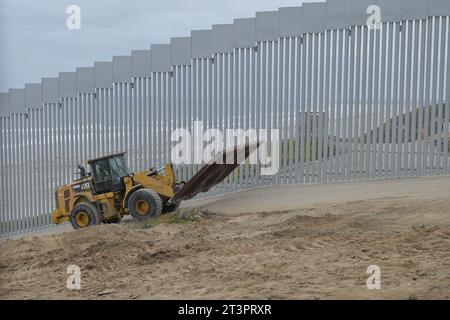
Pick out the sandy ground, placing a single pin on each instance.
(294, 242)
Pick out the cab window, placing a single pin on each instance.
(101, 171)
(118, 166)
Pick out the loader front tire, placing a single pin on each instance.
(144, 204)
(84, 215)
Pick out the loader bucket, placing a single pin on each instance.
(215, 171)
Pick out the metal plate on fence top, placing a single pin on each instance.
(50, 90)
(439, 7)
(161, 58)
(122, 68)
(85, 80)
(103, 74)
(33, 95)
(223, 38)
(338, 14)
(414, 9)
(314, 17)
(290, 21)
(67, 84)
(181, 50)
(244, 32)
(201, 43)
(4, 104)
(17, 100)
(267, 26)
(141, 63)
(391, 10)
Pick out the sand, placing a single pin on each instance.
(292, 242)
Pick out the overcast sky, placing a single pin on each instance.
(35, 42)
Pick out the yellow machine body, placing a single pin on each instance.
(110, 191)
(112, 205)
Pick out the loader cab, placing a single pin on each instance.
(108, 173)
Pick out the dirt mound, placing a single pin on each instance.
(314, 251)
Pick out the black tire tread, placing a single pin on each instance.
(90, 206)
(148, 192)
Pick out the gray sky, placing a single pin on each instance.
(36, 43)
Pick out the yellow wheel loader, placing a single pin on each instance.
(110, 190)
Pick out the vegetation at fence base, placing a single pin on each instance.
(326, 147)
(425, 123)
(312, 150)
(316, 151)
(428, 124)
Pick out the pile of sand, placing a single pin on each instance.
(314, 251)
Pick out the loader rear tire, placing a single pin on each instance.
(84, 215)
(144, 204)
